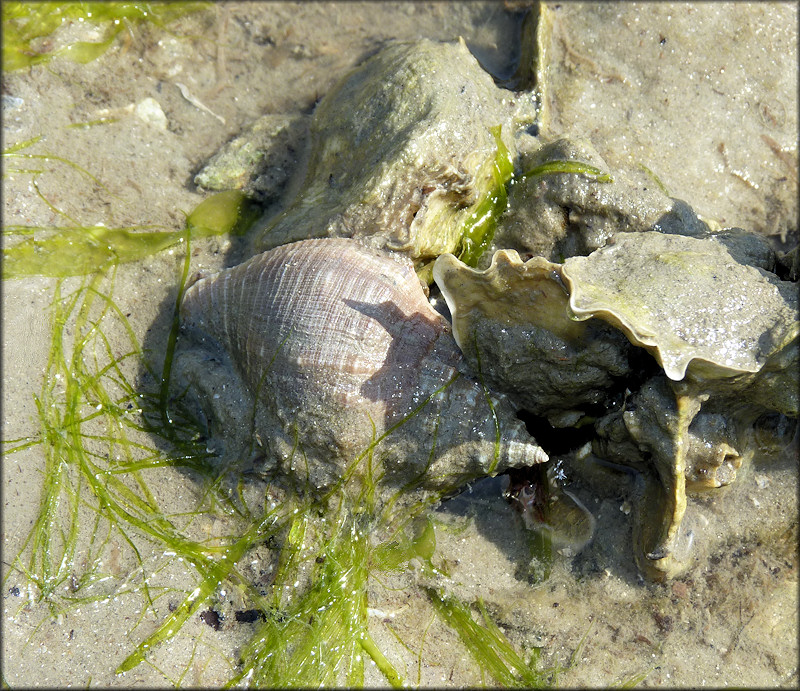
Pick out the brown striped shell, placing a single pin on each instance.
(343, 353)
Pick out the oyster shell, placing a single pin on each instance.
(512, 323)
(559, 339)
(349, 370)
(689, 302)
(401, 150)
(723, 332)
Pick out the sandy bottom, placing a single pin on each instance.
(732, 619)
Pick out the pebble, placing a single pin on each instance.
(149, 110)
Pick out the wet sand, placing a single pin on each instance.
(732, 619)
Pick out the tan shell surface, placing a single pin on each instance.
(510, 291)
(330, 307)
(686, 300)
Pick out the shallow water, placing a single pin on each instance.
(732, 619)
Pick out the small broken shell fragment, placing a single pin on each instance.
(512, 323)
(259, 161)
(349, 372)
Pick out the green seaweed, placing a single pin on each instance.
(571, 167)
(479, 227)
(319, 637)
(99, 432)
(80, 251)
(489, 646)
(15, 151)
(87, 410)
(29, 26)
(394, 553)
(661, 186)
(634, 680)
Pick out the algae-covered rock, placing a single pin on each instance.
(560, 214)
(401, 150)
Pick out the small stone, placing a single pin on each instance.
(11, 103)
(680, 590)
(148, 110)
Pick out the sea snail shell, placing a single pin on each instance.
(340, 348)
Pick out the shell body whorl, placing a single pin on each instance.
(340, 346)
(329, 312)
